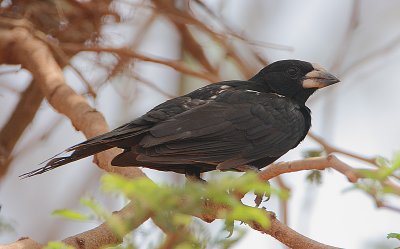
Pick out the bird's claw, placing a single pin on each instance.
(259, 197)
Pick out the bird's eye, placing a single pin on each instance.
(293, 72)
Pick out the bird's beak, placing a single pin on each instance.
(318, 78)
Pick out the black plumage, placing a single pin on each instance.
(229, 125)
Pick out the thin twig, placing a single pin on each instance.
(152, 85)
(331, 149)
(283, 203)
(346, 41)
(374, 55)
(177, 65)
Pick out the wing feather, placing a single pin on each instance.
(226, 134)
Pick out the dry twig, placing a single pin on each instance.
(20, 119)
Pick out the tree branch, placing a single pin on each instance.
(19, 46)
(103, 236)
(23, 243)
(177, 65)
(20, 119)
(277, 229)
(315, 163)
(330, 149)
(288, 236)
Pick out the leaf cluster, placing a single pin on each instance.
(173, 208)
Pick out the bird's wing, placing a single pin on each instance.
(126, 135)
(237, 128)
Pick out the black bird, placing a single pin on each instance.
(230, 125)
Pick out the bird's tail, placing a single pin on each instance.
(116, 138)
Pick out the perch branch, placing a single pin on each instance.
(278, 230)
(315, 163)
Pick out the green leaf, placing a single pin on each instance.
(393, 236)
(57, 245)
(95, 207)
(249, 214)
(312, 153)
(184, 245)
(315, 176)
(382, 161)
(70, 214)
(181, 219)
(229, 226)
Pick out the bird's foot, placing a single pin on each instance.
(259, 197)
(194, 176)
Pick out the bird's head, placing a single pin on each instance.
(294, 78)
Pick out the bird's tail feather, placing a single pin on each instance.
(88, 148)
(56, 161)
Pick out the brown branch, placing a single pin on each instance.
(37, 139)
(346, 41)
(193, 47)
(19, 46)
(315, 163)
(177, 65)
(321, 163)
(331, 149)
(288, 236)
(277, 229)
(170, 241)
(177, 15)
(20, 119)
(283, 203)
(373, 56)
(103, 235)
(91, 239)
(23, 243)
(152, 85)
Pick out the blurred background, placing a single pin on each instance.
(158, 49)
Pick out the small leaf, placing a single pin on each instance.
(70, 214)
(95, 207)
(393, 236)
(181, 219)
(315, 176)
(57, 245)
(382, 161)
(312, 153)
(184, 245)
(249, 214)
(229, 226)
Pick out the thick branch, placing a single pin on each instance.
(20, 119)
(103, 235)
(288, 236)
(19, 46)
(23, 243)
(277, 229)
